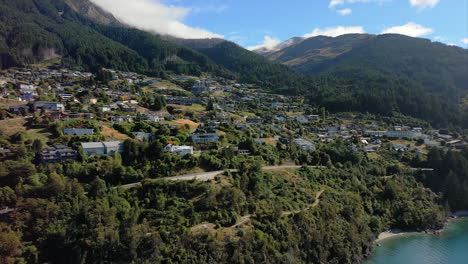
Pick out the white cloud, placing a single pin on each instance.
(439, 38)
(269, 43)
(410, 29)
(334, 3)
(334, 31)
(424, 3)
(154, 16)
(464, 41)
(345, 11)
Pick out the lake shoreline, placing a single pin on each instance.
(398, 232)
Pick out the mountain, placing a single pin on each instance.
(254, 68)
(93, 12)
(196, 44)
(317, 49)
(85, 36)
(36, 30)
(436, 66)
(290, 42)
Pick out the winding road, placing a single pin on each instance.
(206, 176)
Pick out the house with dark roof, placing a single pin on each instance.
(58, 154)
(78, 131)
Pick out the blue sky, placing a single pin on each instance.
(261, 22)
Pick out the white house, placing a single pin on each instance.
(179, 150)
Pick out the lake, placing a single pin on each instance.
(450, 247)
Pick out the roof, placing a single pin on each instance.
(111, 143)
(88, 145)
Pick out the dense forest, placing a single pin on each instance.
(66, 214)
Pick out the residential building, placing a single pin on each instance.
(153, 118)
(200, 87)
(304, 144)
(142, 135)
(58, 154)
(92, 101)
(49, 106)
(78, 131)
(410, 134)
(18, 108)
(302, 119)
(102, 148)
(78, 116)
(122, 119)
(182, 100)
(205, 137)
(179, 150)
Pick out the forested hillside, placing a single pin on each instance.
(34, 30)
(253, 68)
(385, 74)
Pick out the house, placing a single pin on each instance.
(113, 147)
(5, 153)
(91, 101)
(18, 108)
(49, 106)
(78, 116)
(399, 148)
(65, 96)
(313, 117)
(122, 119)
(409, 134)
(302, 119)
(142, 136)
(58, 154)
(78, 131)
(179, 150)
(127, 108)
(304, 144)
(182, 100)
(153, 118)
(200, 87)
(106, 108)
(205, 137)
(102, 148)
(28, 97)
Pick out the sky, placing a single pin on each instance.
(265, 23)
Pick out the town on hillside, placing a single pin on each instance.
(77, 113)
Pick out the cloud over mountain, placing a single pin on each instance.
(268, 43)
(409, 29)
(334, 31)
(154, 16)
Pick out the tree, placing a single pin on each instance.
(98, 188)
(37, 146)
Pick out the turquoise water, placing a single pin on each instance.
(451, 247)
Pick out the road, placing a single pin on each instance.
(206, 176)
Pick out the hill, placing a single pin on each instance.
(35, 30)
(384, 74)
(254, 68)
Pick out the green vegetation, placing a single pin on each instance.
(33, 30)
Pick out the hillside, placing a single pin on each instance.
(316, 49)
(35, 30)
(438, 67)
(383, 74)
(254, 68)
(93, 12)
